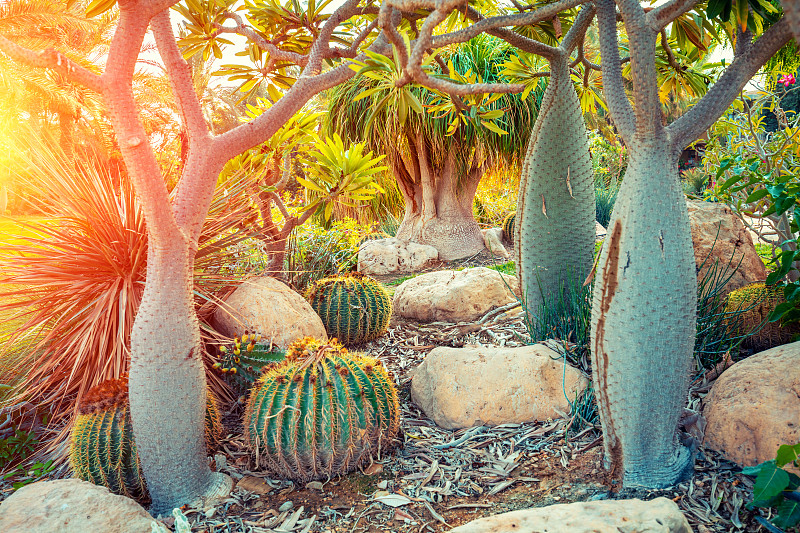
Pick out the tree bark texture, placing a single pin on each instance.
(438, 209)
(643, 321)
(555, 223)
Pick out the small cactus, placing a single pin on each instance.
(353, 307)
(243, 363)
(102, 447)
(508, 227)
(375, 235)
(321, 412)
(756, 301)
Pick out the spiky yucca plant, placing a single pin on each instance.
(243, 363)
(102, 447)
(321, 412)
(353, 307)
(508, 226)
(756, 301)
(74, 282)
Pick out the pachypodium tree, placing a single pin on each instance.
(643, 313)
(167, 380)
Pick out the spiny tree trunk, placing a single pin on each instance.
(643, 321)
(555, 222)
(438, 205)
(645, 294)
(166, 404)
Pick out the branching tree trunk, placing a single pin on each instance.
(167, 383)
(645, 298)
(555, 223)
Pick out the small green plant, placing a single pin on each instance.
(508, 226)
(17, 447)
(353, 307)
(694, 181)
(777, 488)
(30, 474)
(321, 412)
(243, 363)
(315, 252)
(604, 197)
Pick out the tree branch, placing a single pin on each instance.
(180, 78)
(576, 33)
(275, 53)
(526, 44)
(491, 23)
(642, 46)
(613, 85)
(744, 66)
(670, 54)
(55, 61)
(659, 17)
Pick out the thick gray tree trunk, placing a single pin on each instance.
(555, 223)
(643, 321)
(438, 204)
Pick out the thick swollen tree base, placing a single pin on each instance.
(643, 323)
(453, 237)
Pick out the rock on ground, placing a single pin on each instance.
(72, 506)
(454, 296)
(754, 407)
(265, 305)
(493, 240)
(712, 220)
(380, 257)
(475, 386)
(660, 515)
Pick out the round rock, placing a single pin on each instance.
(486, 386)
(454, 296)
(754, 406)
(660, 515)
(265, 305)
(73, 506)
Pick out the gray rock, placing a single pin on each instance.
(612, 516)
(73, 506)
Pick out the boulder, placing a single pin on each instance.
(380, 257)
(754, 407)
(712, 221)
(265, 305)
(660, 515)
(493, 240)
(483, 386)
(454, 296)
(599, 231)
(73, 506)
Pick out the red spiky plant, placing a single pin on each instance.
(74, 283)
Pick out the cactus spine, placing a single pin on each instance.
(508, 226)
(321, 412)
(102, 447)
(243, 363)
(755, 302)
(353, 307)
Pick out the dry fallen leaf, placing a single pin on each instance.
(392, 500)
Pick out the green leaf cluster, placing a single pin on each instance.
(777, 488)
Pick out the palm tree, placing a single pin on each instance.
(437, 156)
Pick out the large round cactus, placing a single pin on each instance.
(353, 307)
(243, 363)
(375, 235)
(755, 302)
(102, 447)
(508, 226)
(321, 412)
